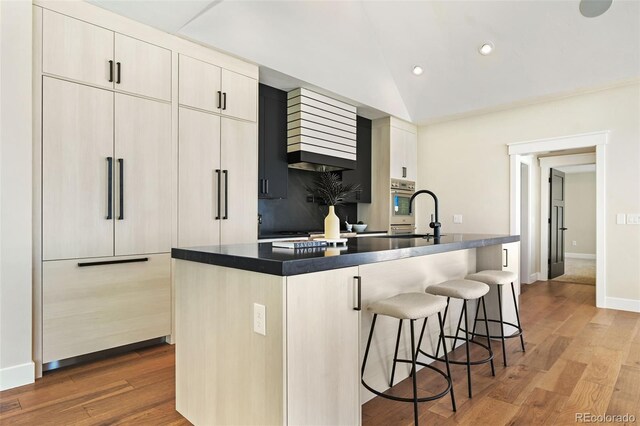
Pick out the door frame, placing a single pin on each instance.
(599, 140)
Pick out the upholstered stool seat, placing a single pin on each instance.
(464, 290)
(459, 289)
(499, 279)
(494, 277)
(411, 307)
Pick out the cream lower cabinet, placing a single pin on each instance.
(323, 355)
(77, 195)
(304, 371)
(218, 166)
(94, 304)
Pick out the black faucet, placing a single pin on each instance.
(434, 224)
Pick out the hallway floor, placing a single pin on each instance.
(578, 271)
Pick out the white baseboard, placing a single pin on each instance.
(18, 375)
(580, 256)
(631, 305)
(533, 278)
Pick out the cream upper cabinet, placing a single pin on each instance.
(90, 54)
(199, 84)
(403, 153)
(411, 155)
(143, 175)
(211, 88)
(77, 159)
(200, 177)
(239, 161)
(142, 68)
(76, 50)
(239, 96)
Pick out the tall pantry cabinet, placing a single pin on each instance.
(113, 151)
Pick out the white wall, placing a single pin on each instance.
(466, 163)
(16, 366)
(580, 212)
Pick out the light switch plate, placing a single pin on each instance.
(457, 218)
(633, 219)
(574, 243)
(621, 219)
(259, 319)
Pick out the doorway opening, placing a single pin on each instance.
(541, 156)
(572, 240)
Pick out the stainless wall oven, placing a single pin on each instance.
(401, 222)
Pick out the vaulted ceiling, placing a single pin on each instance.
(364, 51)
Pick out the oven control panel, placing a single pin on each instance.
(403, 185)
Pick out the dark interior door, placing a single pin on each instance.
(556, 224)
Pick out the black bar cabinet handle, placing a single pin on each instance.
(224, 100)
(219, 99)
(404, 172)
(110, 71)
(564, 229)
(113, 262)
(266, 191)
(121, 195)
(359, 297)
(109, 188)
(219, 188)
(226, 194)
(506, 258)
(117, 72)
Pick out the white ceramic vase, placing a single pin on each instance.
(332, 225)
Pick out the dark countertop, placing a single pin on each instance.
(262, 257)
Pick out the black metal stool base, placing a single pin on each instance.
(501, 321)
(419, 399)
(489, 357)
(414, 362)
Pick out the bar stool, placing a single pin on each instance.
(500, 278)
(410, 306)
(465, 290)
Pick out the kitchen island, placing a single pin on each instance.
(266, 335)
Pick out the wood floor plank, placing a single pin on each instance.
(587, 397)
(541, 407)
(626, 393)
(562, 377)
(547, 353)
(9, 405)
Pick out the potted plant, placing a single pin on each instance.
(329, 187)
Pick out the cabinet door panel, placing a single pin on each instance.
(272, 140)
(411, 155)
(199, 84)
(199, 153)
(88, 309)
(240, 203)
(323, 359)
(397, 153)
(75, 49)
(77, 138)
(241, 95)
(143, 142)
(145, 69)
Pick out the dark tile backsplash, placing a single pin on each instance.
(295, 213)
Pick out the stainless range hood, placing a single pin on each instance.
(321, 132)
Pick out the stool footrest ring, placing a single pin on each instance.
(516, 334)
(475, 362)
(423, 399)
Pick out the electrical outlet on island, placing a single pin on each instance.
(259, 319)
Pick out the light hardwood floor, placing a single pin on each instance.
(579, 359)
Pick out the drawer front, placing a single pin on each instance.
(95, 307)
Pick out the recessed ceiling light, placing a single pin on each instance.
(594, 8)
(486, 48)
(417, 70)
